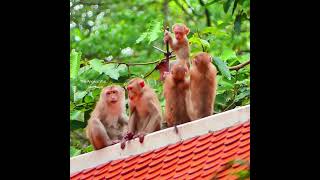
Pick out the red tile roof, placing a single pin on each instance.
(201, 157)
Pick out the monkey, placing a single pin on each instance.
(108, 120)
(179, 44)
(203, 86)
(145, 110)
(176, 90)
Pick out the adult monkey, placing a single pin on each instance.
(108, 120)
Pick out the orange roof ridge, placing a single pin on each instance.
(161, 139)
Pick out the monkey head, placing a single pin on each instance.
(180, 31)
(135, 88)
(202, 59)
(112, 94)
(179, 71)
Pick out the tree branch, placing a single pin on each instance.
(207, 13)
(237, 67)
(184, 10)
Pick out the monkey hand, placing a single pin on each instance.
(167, 37)
(140, 136)
(128, 136)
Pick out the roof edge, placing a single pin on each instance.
(161, 138)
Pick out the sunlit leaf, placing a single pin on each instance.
(223, 68)
(155, 32)
(74, 151)
(79, 95)
(77, 115)
(142, 37)
(74, 63)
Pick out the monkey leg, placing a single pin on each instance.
(98, 135)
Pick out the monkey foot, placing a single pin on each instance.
(123, 144)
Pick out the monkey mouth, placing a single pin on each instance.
(114, 101)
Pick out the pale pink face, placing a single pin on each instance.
(180, 32)
(112, 95)
(134, 89)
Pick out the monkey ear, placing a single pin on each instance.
(173, 27)
(141, 83)
(186, 30)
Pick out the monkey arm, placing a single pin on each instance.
(168, 38)
(154, 118)
(97, 134)
(132, 122)
(190, 108)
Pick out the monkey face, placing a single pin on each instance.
(180, 32)
(112, 94)
(135, 89)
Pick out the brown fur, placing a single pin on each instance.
(203, 86)
(108, 121)
(145, 109)
(179, 44)
(176, 90)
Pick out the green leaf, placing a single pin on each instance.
(142, 37)
(74, 125)
(89, 98)
(227, 5)
(74, 63)
(74, 151)
(79, 95)
(212, 2)
(96, 64)
(228, 54)
(234, 6)
(155, 31)
(237, 24)
(88, 149)
(244, 57)
(242, 95)
(205, 43)
(77, 115)
(112, 70)
(223, 68)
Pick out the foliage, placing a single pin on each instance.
(103, 32)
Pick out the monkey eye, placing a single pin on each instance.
(129, 88)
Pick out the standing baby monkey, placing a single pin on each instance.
(145, 110)
(202, 85)
(176, 91)
(108, 120)
(179, 44)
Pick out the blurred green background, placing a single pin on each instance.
(104, 31)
